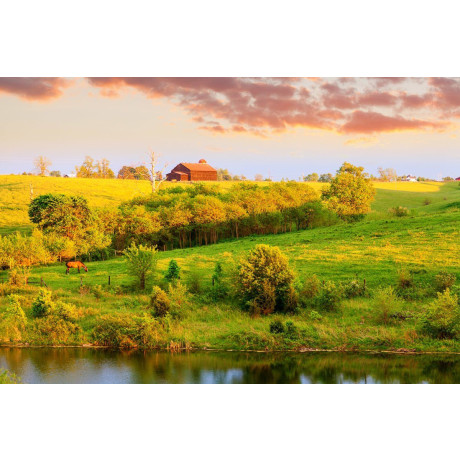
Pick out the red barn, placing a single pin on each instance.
(192, 172)
(458, 178)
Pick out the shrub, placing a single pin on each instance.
(53, 329)
(219, 290)
(405, 279)
(426, 201)
(43, 304)
(178, 298)
(330, 296)
(66, 311)
(141, 261)
(355, 289)
(442, 317)
(173, 272)
(276, 326)
(194, 282)
(116, 331)
(444, 280)
(97, 291)
(291, 329)
(399, 211)
(13, 321)
(385, 301)
(159, 302)
(315, 316)
(7, 377)
(18, 276)
(310, 289)
(264, 279)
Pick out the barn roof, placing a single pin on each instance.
(198, 166)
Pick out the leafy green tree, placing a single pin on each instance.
(173, 272)
(159, 302)
(350, 193)
(265, 279)
(141, 261)
(313, 177)
(325, 178)
(55, 173)
(43, 304)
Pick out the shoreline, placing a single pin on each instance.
(196, 349)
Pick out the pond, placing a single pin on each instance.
(86, 365)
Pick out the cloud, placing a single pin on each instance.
(373, 122)
(34, 89)
(264, 106)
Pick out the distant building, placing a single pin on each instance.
(200, 171)
(458, 178)
(409, 178)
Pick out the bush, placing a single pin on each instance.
(98, 291)
(399, 211)
(55, 330)
(442, 317)
(264, 279)
(444, 280)
(291, 329)
(218, 289)
(43, 304)
(385, 301)
(330, 296)
(178, 298)
(116, 331)
(315, 316)
(7, 377)
(405, 279)
(66, 311)
(173, 272)
(426, 201)
(310, 290)
(13, 321)
(276, 326)
(355, 289)
(194, 282)
(141, 261)
(159, 302)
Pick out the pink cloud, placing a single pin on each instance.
(34, 89)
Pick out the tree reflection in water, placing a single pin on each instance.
(81, 365)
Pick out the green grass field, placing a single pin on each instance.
(374, 249)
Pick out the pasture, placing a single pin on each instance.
(375, 249)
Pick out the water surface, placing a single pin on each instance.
(82, 365)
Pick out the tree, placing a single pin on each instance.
(141, 261)
(55, 173)
(134, 173)
(156, 175)
(87, 169)
(313, 177)
(325, 177)
(447, 179)
(258, 177)
(350, 193)
(223, 174)
(42, 165)
(173, 272)
(264, 279)
(103, 170)
(388, 175)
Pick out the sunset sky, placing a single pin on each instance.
(282, 127)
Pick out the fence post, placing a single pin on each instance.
(109, 280)
(81, 281)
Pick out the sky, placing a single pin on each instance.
(277, 127)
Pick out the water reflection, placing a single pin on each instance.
(79, 365)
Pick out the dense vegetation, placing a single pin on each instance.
(388, 281)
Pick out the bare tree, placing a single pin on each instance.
(157, 176)
(42, 165)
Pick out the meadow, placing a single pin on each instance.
(374, 249)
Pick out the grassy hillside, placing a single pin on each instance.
(15, 194)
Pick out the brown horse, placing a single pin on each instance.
(76, 264)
